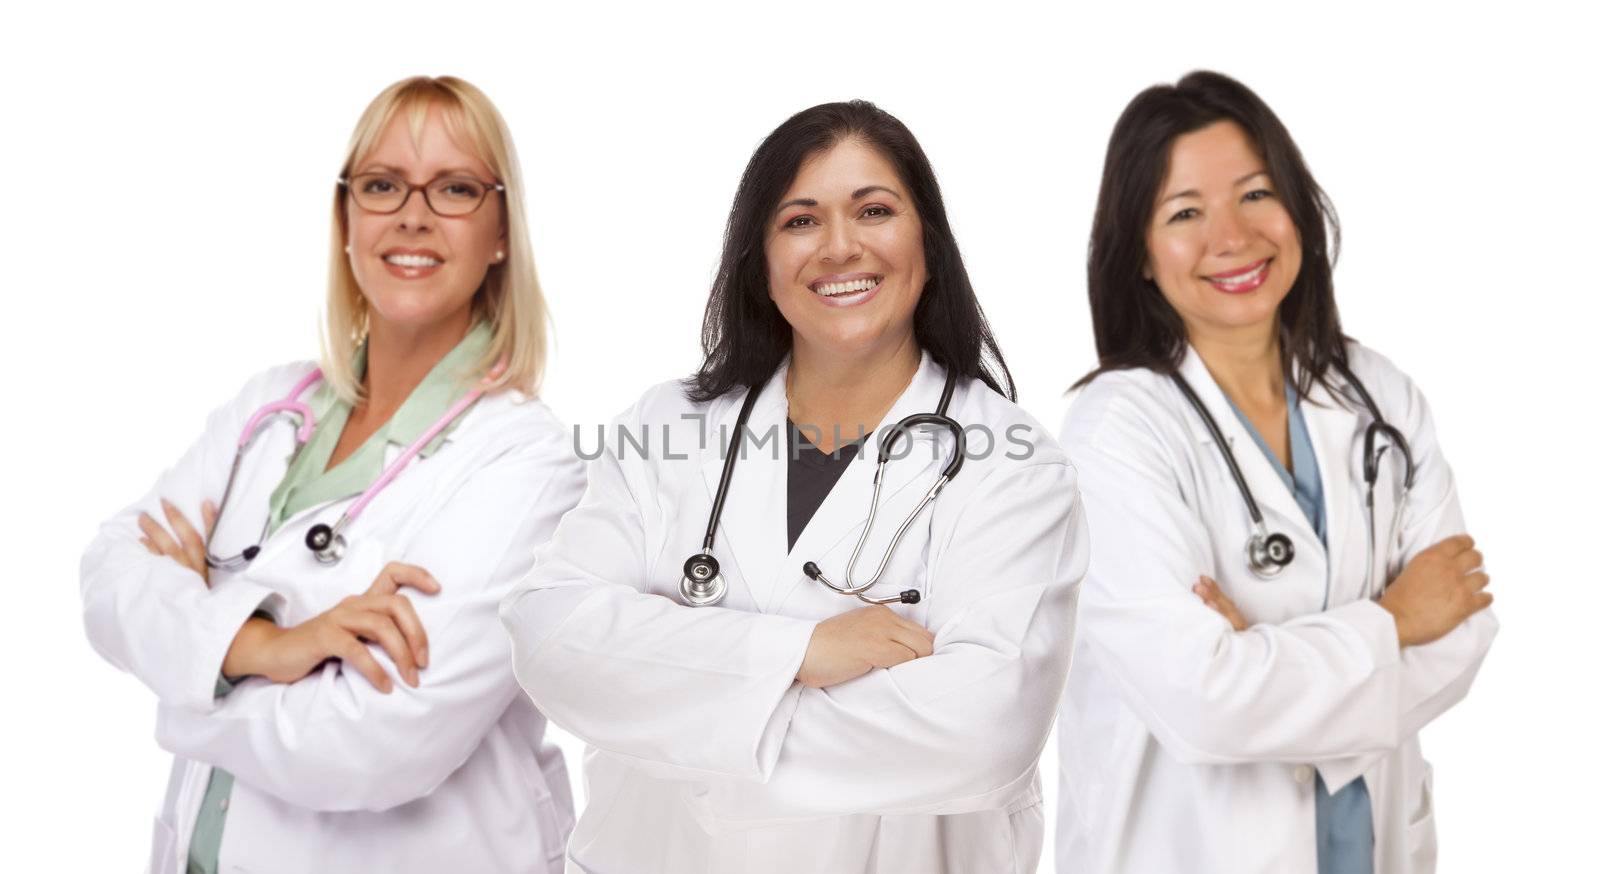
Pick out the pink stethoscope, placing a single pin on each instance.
(327, 542)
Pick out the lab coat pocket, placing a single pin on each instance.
(163, 848)
(1422, 846)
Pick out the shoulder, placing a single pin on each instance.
(511, 424)
(274, 383)
(1120, 406)
(1003, 440)
(1387, 382)
(668, 403)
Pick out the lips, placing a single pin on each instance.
(1245, 279)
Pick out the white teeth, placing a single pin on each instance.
(834, 289)
(1243, 278)
(400, 260)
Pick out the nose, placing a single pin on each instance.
(840, 243)
(414, 213)
(1229, 232)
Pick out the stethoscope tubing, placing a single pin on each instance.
(327, 542)
(702, 583)
(1261, 560)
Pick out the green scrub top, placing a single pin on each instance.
(308, 483)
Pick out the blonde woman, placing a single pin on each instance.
(311, 590)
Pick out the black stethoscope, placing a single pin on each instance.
(1269, 552)
(702, 583)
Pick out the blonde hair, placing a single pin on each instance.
(510, 298)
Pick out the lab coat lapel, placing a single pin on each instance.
(1277, 503)
(1332, 423)
(844, 512)
(753, 533)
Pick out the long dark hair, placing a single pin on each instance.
(1134, 326)
(745, 337)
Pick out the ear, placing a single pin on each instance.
(1148, 274)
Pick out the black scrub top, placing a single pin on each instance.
(812, 474)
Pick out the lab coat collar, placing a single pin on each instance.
(754, 531)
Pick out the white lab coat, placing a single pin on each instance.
(705, 755)
(1187, 746)
(330, 774)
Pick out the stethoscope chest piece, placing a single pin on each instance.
(325, 543)
(702, 584)
(1269, 554)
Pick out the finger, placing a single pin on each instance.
(208, 516)
(892, 652)
(1470, 560)
(378, 628)
(406, 619)
(908, 624)
(1232, 614)
(396, 574)
(148, 545)
(194, 547)
(1476, 582)
(1453, 545)
(355, 655)
(159, 536)
(918, 640)
(1481, 600)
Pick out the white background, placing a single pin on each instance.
(166, 175)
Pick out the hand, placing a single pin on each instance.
(189, 548)
(851, 644)
(380, 615)
(1211, 593)
(1437, 591)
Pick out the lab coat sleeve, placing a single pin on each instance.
(331, 741)
(1319, 686)
(1437, 675)
(151, 616)
(960, 730)
(679, 692)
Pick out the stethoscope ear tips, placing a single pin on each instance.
(811, 570)
(911, 596)
(250, 553)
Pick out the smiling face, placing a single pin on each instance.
(415, 268)
(1222, 247)
(844, 254)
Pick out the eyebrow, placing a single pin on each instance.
(448, 171)
(854, 195)
(1237, 182)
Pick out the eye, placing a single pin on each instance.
(1258, 194)
(379, 185)
(800, 221)
(876, 211)
(1183, 215)
(459, 189)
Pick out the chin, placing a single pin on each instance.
(411, 309)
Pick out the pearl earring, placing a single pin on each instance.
(347, 248)
(499, 255)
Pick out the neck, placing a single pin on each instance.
(399, 357)
(850, 393)
(1247, 364)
